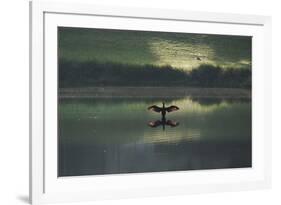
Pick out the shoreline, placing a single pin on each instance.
(167, 92)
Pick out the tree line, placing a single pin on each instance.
(87, 74)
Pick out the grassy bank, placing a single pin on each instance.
(164, 92)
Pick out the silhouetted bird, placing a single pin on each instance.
(198, 58)
(163, 109)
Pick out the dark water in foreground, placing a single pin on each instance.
(111, 135)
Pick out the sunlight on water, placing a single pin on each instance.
(190, 55)
(188, 105)
(112, 135)
(171, 136)
(180, 50)
(128, 119)
(181, 55)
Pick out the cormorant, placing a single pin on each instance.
(163, 109)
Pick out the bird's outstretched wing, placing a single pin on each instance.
(172, 123)
(172, 108)
(155, 108)
(155, 123)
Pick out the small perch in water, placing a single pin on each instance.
(163, 110)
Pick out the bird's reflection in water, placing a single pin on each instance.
(163, 122)
(163, 110)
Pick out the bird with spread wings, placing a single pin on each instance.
(163, 109)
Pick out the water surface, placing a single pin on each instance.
(111, 135)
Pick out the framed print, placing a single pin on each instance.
(129, 102)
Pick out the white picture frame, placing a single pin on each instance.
(46, 187)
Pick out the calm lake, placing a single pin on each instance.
(112, 135)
